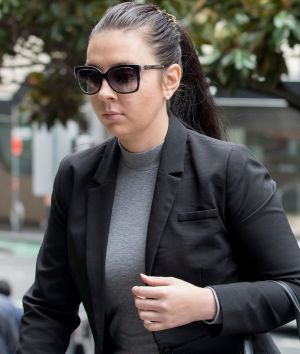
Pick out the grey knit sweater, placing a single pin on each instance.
(125, 258)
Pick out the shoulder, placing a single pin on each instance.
(232, 162)
(84, 162)
(216, 150)
(76, 171)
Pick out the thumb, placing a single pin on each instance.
(156, 281)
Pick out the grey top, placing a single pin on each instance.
(125, 258)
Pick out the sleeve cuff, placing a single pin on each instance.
(219, 317)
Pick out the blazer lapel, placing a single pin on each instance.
(100, 202)
(168, 178)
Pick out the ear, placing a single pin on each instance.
(171, 80)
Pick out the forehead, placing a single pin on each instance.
(112, 47)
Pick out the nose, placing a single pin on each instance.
(106, 92)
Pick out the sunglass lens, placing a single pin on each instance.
(124, 79)
(89, 80)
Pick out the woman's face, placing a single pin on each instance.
(139, 116)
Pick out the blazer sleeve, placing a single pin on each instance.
(51, 304)
(264, 246)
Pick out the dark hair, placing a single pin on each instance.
(171, 43)
(5, 288)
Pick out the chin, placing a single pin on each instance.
(117, 131)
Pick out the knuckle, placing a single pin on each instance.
(164, 292)
(164, 306)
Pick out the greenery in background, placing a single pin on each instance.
(239, 42)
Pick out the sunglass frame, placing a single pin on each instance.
(104, 75)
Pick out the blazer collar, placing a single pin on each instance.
(172, 157)
(108, 167)
(168, 180)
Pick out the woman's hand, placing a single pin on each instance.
(170, 302)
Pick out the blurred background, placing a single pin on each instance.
(250, 50)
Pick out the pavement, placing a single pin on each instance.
(29, 233)
(18, 252)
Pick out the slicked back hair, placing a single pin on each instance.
(170, 43)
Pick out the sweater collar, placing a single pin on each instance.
(145, 160)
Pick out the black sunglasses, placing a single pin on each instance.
(121, 78)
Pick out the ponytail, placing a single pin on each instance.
(193, 102)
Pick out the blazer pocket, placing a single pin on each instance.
(197, 215)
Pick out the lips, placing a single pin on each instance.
(113, 116)
(111, 113)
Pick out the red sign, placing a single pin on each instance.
(16, 146)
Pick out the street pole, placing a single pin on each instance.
(17, 211)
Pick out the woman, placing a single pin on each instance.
(165, 197)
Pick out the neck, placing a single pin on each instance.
(148, 139)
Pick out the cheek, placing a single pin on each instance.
(152, 95)
(138, 107)
(149, 96)
(130, 104)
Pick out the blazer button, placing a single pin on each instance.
(168, 350)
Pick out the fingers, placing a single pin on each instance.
(154, 326)
(146, 304)
(153, 321)
(158, 286)
(149, 292)
(153, 301)
(157, 281)
(150, 316)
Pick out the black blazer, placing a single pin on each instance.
(215, 220)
